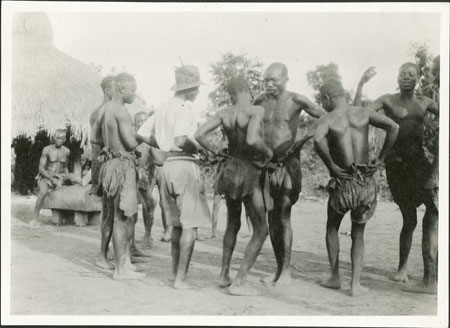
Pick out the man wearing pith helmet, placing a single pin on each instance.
(172, 128)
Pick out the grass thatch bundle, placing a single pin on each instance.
(50, 88)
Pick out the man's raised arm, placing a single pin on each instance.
(309, 107)
(377, 105)
(366, 77)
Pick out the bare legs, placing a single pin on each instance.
(215, 214)
(429, 254)
(148, 213)
(357, 251)
(106, 229)
(183, 241)
(43, 191)
(332, 241)
(122, 239)
(280, 230)
(409, 214)
(234, 208)
(256, 210)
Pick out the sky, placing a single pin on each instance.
(150, 44)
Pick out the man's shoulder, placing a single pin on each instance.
(64, 148)
(46, 149)
(260, 99)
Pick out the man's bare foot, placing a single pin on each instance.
(35, 223)
(147, 242)
(183, 284)
(137, 253)
(165, 239)
(420, 288)
(224, 281)
(104, 263)
(284, 279)
(110, 256)
(332, 282)
(358, 290)
(126, 274)
(401, 276)
(268, 279)
(244, 290)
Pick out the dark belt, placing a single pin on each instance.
(174, 153)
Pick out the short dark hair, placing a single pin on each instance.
(107, 82)
(332, 88)
(124, 78)
(237, 85)
(410, 64)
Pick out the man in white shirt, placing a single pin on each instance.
(182, 191)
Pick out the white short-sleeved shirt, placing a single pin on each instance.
(175, 118)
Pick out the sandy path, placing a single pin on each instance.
(53, 271)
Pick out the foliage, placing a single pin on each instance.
(429, 77)
(320, 74)
(228, 67)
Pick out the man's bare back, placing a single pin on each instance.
(235, 122)
(348, 136)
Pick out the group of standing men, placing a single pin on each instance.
(262, 170)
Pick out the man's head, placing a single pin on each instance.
(125, 87)
(59, 137)
(330, 91)
(275, 78)
(238, 86)
(139, 119)
(408, 75)
(107, 85)
(187, 82)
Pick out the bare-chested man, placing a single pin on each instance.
(240, 179)
(53, 170)
(412, 179)
(281, 121)
(342, 142)
(107, 85)
(113, 129)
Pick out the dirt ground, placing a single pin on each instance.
(53, 271)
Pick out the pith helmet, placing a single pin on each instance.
(186, 77)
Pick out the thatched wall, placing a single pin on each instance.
(49, 87)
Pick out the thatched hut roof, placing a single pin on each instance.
(49, 87)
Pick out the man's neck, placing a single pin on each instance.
(118, 100)
(407, 94)
(105, 99)
(242, 102)
(341, 106)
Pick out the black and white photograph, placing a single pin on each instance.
(225, 164)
